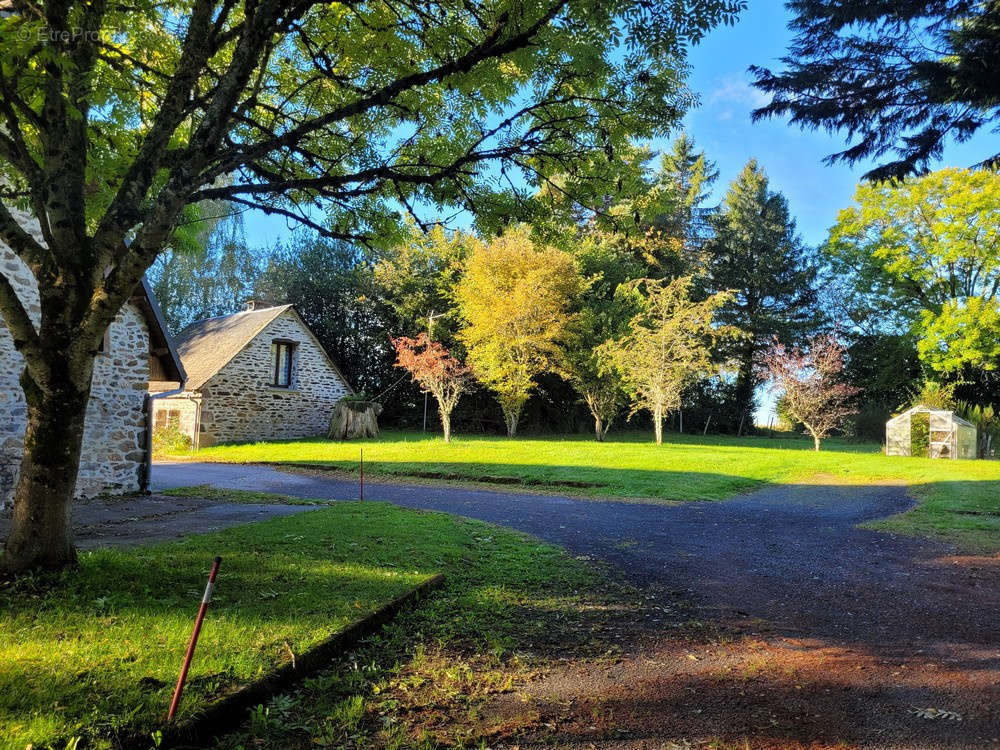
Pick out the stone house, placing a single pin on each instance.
(259, 374)
(117, 433)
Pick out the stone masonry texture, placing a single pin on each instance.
(239, 404)
(114, 432)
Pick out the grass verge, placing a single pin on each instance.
(93, 653)
(511, 609)
(964, 513)
(249, 497)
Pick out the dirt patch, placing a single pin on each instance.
(738, 686)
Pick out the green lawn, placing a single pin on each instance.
(94, 653)
(959, 499)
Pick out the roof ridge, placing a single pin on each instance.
(234, 314)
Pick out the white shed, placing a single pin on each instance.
(934, 433)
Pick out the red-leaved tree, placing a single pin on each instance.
(810, 382)
(432, 367)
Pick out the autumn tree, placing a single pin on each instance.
(116, 117)
(810, 385)
(668, 345)
(515, 299)
(436, 371)
(754, 250)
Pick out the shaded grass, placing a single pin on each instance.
(958, 500)
(93, 653)
(249, 497)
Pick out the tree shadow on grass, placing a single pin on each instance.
(95, 651)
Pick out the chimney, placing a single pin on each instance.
(249, 306)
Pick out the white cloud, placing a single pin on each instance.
(735, 90)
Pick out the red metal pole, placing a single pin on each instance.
(194, 639)
(362, 473)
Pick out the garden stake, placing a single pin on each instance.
(194, 639)
(362, 473)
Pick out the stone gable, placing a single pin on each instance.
(114, 431)
(239, 403)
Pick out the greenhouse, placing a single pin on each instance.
(934, 433)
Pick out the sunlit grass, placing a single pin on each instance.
(959, 499)
(94, 652)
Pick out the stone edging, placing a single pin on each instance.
(228, 712)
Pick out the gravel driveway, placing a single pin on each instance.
(789, 554)
(797, 630)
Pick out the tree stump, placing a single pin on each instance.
(354, 419)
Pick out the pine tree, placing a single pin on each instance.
(756, 253)
(897, 77)
(684, 181)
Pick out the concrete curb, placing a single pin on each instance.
(229, 712)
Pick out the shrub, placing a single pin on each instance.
(987, 422)
(169, 439)
(920, 434)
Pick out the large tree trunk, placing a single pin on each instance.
(658, 424)
(745, 384)
(41, 535)
(354, 419)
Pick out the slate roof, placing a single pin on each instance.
(206, 346)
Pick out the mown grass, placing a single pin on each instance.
(511, 609)
(94, 652)
(959, 500)
(248, 497)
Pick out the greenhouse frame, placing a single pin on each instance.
(946, 434)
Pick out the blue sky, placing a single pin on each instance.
(792, 158)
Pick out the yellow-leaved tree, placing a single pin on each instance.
(515, 298)
(668, 344)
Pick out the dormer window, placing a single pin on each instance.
(282, 360)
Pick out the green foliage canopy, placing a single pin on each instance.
(927, 248)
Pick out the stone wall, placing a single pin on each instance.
(114, 432)
(239, 405)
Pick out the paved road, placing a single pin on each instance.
(789, 554)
